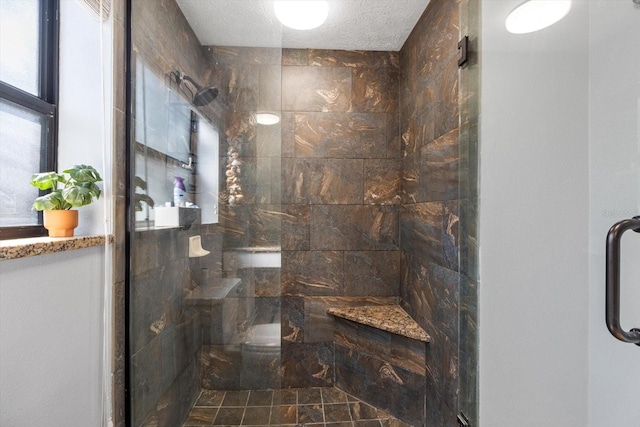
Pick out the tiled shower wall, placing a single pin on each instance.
(340, 195)
(431, 197)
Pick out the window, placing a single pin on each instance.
(28, 97)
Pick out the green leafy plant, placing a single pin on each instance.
(138, 198)
(72, 188)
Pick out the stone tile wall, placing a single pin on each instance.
(383, 369)
(340, 196)
(432, 200)
(166, 333)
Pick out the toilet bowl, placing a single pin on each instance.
(260, 352)
(262, 339)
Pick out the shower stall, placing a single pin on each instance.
(323, 209)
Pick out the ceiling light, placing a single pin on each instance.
(267, 118)
(301, 14)
(534, 15)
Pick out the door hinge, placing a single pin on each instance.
(463, 51)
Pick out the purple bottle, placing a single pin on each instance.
(178, 191)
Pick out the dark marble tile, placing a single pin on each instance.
(235, 398)
(372, 273)
(439, 171)
(333, 395)
(408, 354)
(307, 365)
(256, 416)
(439, 411)
(352, 58)
(371, 227)
(421, 231)
(229, 416)
(285, 397)
(292, 320)
(308, 396)
(446, 94)
(316, 89)
(360, 411)
(146, 378)
(240, 133)
(288, 126)
(375, 90)
(322, 181)
(436, 37)
(310, 414)
(219, 369)
(442, 367)
(394, 138)
(341, 135)
(295, 227)
(364, 339)
(283, 415)
(312, 272)
(382, 181)
(260, 398)
(410, 187)
(399, 392)
(318, 324)
(336, 412)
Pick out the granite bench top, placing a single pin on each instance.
(390, 318)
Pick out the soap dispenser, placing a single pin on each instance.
(178, 191)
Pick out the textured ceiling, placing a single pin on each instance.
(351, 25)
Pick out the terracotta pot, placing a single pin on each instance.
(60, 223)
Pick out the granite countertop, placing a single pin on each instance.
(22, 248)
(390, 318)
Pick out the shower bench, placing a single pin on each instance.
(380, 357)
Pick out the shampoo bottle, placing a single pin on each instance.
(178, 191)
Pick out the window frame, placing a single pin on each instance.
(46, 104)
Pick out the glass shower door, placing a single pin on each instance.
(614, 143)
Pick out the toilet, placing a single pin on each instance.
(262, 339)
(260, 351)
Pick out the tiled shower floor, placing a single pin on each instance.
(328, 407)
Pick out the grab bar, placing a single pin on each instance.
(613, 280)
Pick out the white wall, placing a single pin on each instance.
(51, 339)
(534, 222)
(84, 113)
(51, 306)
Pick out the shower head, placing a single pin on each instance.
(202, 95)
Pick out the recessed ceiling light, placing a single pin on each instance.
(301, 14)
(534, 15)
(264, 118)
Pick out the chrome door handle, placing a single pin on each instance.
(613, 280)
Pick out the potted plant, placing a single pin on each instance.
(72, 188)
